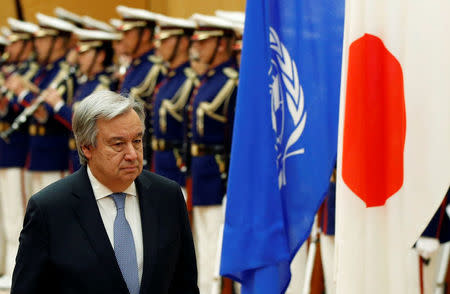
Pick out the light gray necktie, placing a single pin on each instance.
(124, 245)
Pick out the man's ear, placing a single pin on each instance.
(87, 150)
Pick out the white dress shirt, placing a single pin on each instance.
(108, 212)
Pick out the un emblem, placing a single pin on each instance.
(287, 105)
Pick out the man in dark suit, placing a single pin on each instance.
(110, 227)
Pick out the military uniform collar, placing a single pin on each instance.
(178, 70)
(143, 57)
(211, 72)
(50, 66)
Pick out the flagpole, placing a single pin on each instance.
(311, 256)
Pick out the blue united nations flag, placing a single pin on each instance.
(285, 137)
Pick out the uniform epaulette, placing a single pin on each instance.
(231, 73)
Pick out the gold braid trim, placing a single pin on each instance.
(147, 86)
(222, 98)
(175, 105)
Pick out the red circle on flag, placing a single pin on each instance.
(374, 123)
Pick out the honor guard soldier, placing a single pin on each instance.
(48, 158)
(172, 97)
(95, 57)
(145, 70)
(14, 150)
(212, 113)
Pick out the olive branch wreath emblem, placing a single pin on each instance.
(285, 89)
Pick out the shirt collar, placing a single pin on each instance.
(101, 191)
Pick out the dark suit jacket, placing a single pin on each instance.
(64, 247)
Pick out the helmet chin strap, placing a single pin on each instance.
(22, 50)
(213, 56)
(139, 42)
(49, 52)
(175, 49)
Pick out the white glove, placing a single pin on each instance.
(426, 246)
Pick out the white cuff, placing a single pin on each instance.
(426, 246)
(22, 95)
(58, 106)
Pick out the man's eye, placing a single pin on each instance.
(118, 144)
(137, 141)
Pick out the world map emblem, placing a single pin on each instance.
(287, 105)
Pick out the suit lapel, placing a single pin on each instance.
(86, 209)
(150, 227)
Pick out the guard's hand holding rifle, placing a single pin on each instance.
(18, 84)
(52, 97)
(15, 84)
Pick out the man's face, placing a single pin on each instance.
(129, 41)
(166, 48)
(14, 50)
(85, 60)
(206, 49)
(117, 158)
(43, 45)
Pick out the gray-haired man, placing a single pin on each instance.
(110, 227)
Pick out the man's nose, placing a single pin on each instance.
(130, 152)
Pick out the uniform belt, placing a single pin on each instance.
(202, 149)
(165, 145)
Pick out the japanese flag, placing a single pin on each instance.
(394, 140)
